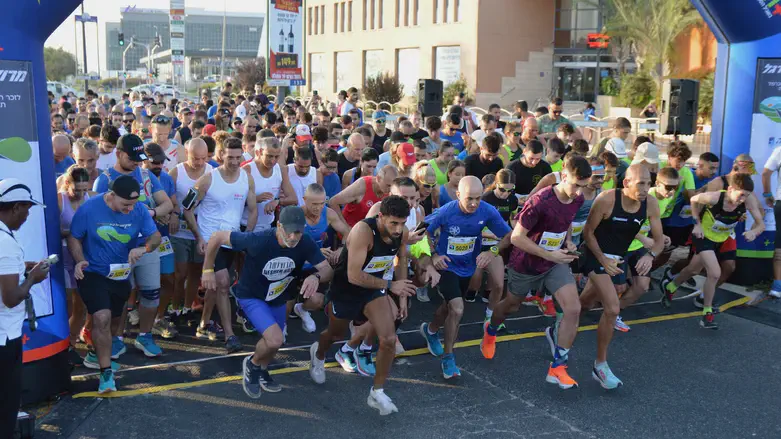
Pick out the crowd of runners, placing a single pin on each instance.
(242, 212)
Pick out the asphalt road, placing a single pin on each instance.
(680, 382)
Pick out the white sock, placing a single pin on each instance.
(547, 298)
(489, 312)
(346, 348)
(365, 347)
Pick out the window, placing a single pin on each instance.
(372, 64)
(316, 19)
(309, 21)
(447, 64)
(406, 12)
(373, 13)
(342, 69)
(343, 7)
(458, 10)
(350, 16)
(322, 19)
(317, 71)
(398, 12)
(365, 11)
(415, 13)
(408, 69)
(436, 11)
(379, 18)
(445, 10)
(573, 22)
(336, 17)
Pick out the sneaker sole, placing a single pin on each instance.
(145, 351)
(346, 365)
(375, 405)
(306, 327)
(602, 383)
(91, 365)
(713, 328)
(244, 384)
(118, 354)
(275, 389)
(104, 391)
(554, 380)
(621, 329)
(362, 372)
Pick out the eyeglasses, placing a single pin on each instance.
(128, 121)
(516, 134)
(156, 163)
(160, 118)
(506, 189)
(429, 186)
(116, 113)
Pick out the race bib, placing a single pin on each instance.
(118, 271)
(183, 226)
(460, 246)
(686, 211)
(275, 289)
(577, 227)
(552, 241)
(165, 247)
(381, 264)
(720, 227)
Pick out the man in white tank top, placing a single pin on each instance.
(269, 178)
(188, 259)
(301, 173)
(161, 130)
(220, 197)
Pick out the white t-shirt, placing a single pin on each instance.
(479, 135)
(774, 163)
(106, 161)
(11, 262)
(240, 112)
(346, 107)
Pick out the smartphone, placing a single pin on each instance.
(574, 253)
(314, 92)
(53, 259)
(422, 226)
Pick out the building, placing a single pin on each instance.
(203, 40)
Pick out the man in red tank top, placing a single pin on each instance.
(361, 195)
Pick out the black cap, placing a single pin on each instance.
(398, 137)
(155, 152)
(125, 187)
(292, 219)
(133, 146)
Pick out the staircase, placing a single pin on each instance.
(532, 81)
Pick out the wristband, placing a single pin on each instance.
(767, 195)
(495, 250)
(389, 285)
(208, 270)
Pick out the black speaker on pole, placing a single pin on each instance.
(430, 97)
(680, 98)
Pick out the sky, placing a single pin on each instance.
(109, 11)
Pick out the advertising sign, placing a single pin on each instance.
(176, 17)
(285, 34)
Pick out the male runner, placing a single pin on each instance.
(103, 242)
(460, 223)
(538, 260)
(174, 151)
(716, 214)
(614, 221)
(221, 196)
(359, 197)
(362, 279)
(274, 258)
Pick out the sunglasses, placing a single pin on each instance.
(161, 119)
(429, 186)
(128, 121)
(556, 112)
(379, 121)
(238, 122)
(506, 189)
(670, 187)
(516, 134)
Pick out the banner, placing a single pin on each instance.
(285, 35)
(765, 137)
(176, 17)
(19, 158)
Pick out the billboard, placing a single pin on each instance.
(285, 43)
(176, 17)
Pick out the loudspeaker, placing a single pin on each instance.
(679, 106)
(430, 97)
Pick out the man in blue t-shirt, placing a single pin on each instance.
(61, 146)
(458, 254)
(145, 276)
(450, 132)
(273, 260)
(104, 239)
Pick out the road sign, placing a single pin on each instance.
(87, 18)
(88, 77)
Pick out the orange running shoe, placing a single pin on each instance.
(488, 345)
(86, 336)
(547, 308)
(558, 375)
(532, 300)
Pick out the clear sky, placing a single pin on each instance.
(109, 11)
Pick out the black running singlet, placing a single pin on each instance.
(615, 233)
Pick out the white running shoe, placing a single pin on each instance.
(133, 317)
(422, 294)
(620, 325)
(382, 402)
(316, 366)
(306, 319)
(399, 347)
(776, 294)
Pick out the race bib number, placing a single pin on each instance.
(552, 241)
(275, 289)
(380, 264)
(577, 228)
(165, 247)
(118, 271)
(686, 211)
(460, 246)
(720, 227)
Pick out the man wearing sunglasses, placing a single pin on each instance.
(381, 133)
(551, 121)
(127, 123)
(161, 134)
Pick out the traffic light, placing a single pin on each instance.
(121, 38)
(158, 41)
(157, 72)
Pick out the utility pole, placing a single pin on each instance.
(222, 58)
(84, 42)
(124, 63)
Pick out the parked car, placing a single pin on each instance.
(167, 90)
(59, 89)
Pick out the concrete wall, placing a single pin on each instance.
(695, 49)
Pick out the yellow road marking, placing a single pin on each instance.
(410, 353)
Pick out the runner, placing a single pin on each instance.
(104, 246)
(716, 214)
(301, 174)
(269, 177)
(529, 169)
(326, 174)
(538, 260)
(614, 221)
(220, 196)
(274, 258)
(441, 162)
(359, 197)
(455, 172)
(460, 224)
(362, 279)
(188, 260)
(161, 134)
(366, 166)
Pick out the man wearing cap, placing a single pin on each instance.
(404, 158)
(396, 138)
(273, 260)
(381, 133)
(105, 241)
(15, 283)
(146, 271)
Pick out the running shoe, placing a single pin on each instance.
(164, 328)
(91, 362)
(380, 401)
(699, 300)
(363, 362)
(488, 344)
(74, 359)
(667, 295)
(117, 348)
(292, 315)
(206, 332)
(485, 297)
(501, 327)
(708, 321)
(217, 327)
(668, 274)
(470, 296)
(558, 375)
(399, 347)
(605, 376)
(346, 361)
(85, 335)
(531, 299)
(547, 308)
(620, 325)
(449, 368)
(432, 341)
(107, 383)
(774, 294)
(251, 378)
(133, 317)
(242, 319)
(422, 294)
(267, 383)
(306, 319)
(316, 366)
(232, 344)
(146, 343)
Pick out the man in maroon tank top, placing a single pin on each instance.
(361, 195)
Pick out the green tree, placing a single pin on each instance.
(383, 87)
(59, 63)
(251, 72)
(637, 90)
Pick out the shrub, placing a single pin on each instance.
(454, 88)
(608, 86)
(383, 87)
(637, 90)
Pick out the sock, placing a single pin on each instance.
(560, 357)
(547, 298)
(365, 347)
(121, 338)
(490, 330)
(428, 330)
(346, 348)
(707, 309)
(602, 364)
(671, 287)
(488, 312)
(103, 369)
(776, 285)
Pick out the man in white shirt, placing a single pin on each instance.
(349, 104)
(15, 203)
